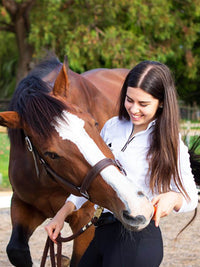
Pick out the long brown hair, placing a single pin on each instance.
(156, 79)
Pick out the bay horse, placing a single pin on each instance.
(56, 111)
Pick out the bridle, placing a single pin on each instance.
(91, 175)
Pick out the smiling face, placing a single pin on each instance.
(141, 107)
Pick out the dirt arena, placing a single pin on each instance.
(183, 252)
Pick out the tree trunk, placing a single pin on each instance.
(24, 48)
(19, 14)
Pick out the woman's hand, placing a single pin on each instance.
(165, 203)
(54, 227)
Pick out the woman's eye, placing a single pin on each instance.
(51, 155)
(143, 105)
(129, 100)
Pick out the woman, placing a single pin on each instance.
(145, 139)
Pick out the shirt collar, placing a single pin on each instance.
(150, 125)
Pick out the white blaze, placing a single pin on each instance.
(71, 128)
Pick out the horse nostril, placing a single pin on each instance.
(137, 220)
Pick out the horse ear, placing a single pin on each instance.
(61, 86)
(10, 119)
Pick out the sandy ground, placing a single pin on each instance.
(183, 252)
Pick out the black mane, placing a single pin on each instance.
(33, 102)
(44, 67)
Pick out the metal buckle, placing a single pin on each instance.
(98, 212)
(84, 194)
(120, 167)
(29, 145)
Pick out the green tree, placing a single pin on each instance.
(15, 19)
(108, 33)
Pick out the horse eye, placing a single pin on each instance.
(96, 123)
(51, 155)
(140, 194)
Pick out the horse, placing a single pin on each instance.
(53, 122)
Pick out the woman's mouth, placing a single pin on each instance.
(136, 117)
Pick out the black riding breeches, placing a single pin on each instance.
(114, 246)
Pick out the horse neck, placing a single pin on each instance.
(84, 94)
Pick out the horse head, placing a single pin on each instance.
(66, 138)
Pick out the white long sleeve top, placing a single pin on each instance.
(131, 153)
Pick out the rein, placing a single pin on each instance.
(50, 244)
(91, 175)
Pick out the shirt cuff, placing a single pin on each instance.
(188, 205)
(77, 201)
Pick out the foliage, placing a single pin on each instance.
(4, 157)
(104, 34)
(120, 33)
(8, 63)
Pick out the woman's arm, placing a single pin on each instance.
(165, 203)
(187, 179)
(54, 227)
(174, 200)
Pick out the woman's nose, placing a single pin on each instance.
(134, 109)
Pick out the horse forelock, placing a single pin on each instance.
(36, 107)
(40, 113)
